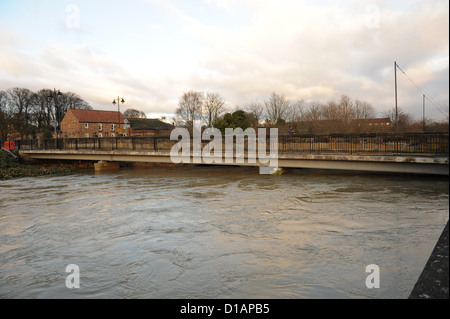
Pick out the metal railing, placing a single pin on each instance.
(385, 143)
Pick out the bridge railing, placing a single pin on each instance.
(386, 144)
(433, 144)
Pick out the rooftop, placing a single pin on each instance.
(148, 124)
(93, 116)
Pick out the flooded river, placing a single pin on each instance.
(216, 232)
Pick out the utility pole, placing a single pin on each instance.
(396, 105)
(423, 124)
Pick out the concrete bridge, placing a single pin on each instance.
(425, 153)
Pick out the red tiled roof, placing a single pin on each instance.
(92, 116)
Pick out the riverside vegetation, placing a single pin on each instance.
(15, 168)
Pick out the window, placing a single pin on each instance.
(100, 135)
(113, 127)
(86, 135)
(113, 135)
(100, 126)
(86, 125)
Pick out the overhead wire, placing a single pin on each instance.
(440, 108)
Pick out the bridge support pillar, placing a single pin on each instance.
(106, 166)
(279, 171)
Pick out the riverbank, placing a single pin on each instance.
(433, 282)
(11, 168)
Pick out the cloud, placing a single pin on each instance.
(323, 51)
(244, 50)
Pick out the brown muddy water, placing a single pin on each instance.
(218, 232)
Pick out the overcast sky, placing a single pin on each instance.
(151, 51)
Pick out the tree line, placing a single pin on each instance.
(344, 115)
(26, 112)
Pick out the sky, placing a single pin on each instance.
(152, 51)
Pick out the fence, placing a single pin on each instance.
(387, 144)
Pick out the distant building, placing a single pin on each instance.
(373, 125)
(149, 127)
(92, 123)
(370, 125)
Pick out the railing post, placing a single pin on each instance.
(352, 141)
(396, 144)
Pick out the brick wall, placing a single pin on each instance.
(71, 128)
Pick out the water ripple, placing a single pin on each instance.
(217, 233)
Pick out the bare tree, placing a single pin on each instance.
(29, 111)
(74, 101)
(43, 108)
(299, 116)
(311, 115)
(189, 108)
(333, 115)
(363, 111)
(348, 112)
(53, 108)
(298, 110)
(402, 122)
(255, 111)
(20, 100)
(213, 107)
(277, 108)
(134, 114)
(315, 111)
(4, 116)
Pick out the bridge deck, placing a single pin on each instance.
(436, 165)
(423, 153)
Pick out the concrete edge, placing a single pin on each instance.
(434, 281)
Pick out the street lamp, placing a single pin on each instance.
(118, 112)
(54, 95)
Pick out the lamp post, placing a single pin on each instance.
(118, 112)
(54, 95)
